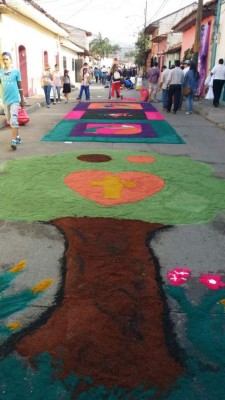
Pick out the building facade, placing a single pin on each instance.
(34, 38)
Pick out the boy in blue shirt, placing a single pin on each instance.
(12, 96)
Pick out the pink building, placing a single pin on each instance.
(187, 27)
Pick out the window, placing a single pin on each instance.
(64, 62)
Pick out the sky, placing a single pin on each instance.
(118, 20)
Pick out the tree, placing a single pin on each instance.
(101, 47)
(141, 45)
(130, 54)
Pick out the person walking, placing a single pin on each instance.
(218, 73)
(163, 85)
(46, 83)
(85, 81)
(85, 66)
(56, 83)
(66, 85)
(191, 80)
(12, 96)
(104, 74)
(174, 82)
(153, 78)
(96, 74)
(115, 62)
(116, 82)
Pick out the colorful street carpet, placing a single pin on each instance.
(98, 326)
(128, 122)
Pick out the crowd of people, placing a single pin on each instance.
(175, 83)
(181, 81)
(54, 80)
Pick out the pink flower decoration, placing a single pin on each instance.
(211, 281)
(178, 276)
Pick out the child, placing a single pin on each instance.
(12, 96)
(85, 82)
(66, 85)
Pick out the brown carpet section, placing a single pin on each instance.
(109, 324)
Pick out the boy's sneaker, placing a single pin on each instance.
(14, 144)
(18, 139)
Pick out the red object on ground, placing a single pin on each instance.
(22, 116)
(144, 94)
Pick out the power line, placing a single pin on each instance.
(159, 9)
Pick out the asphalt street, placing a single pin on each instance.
(200, 247)
(205, 142)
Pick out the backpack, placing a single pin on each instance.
(116, 75)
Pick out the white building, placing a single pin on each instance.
(34, 38)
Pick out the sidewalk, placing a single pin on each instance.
(205, 108)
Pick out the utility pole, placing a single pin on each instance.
(145, 14)
(198, 31)
(216, 32)
(145, 39)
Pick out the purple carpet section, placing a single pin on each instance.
(143, 130)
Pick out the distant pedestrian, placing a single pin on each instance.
(218, 73)
(12, 96)
(46, 83)
(164, 86)
(191, 80)
(66, 85)
(153, 78)
(56, 83)
(96, 74)
(85, 81)
(104, 74)
(174, 82)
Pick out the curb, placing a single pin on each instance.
(205, 114)
(34, 107)
(29, 110)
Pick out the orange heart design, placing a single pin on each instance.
(108, 189)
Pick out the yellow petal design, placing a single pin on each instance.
(18, 267)
(41, 286)
(14, 325)
(222, 302)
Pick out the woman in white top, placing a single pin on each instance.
(56, 83)
(46, 83)
(218, 73)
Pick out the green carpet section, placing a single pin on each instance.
(33, 189)
(165, 133)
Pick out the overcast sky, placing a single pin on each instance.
(118, 20)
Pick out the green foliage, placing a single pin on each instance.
(188, 54)
(130, 54)
(141, 45)
(101, 47)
